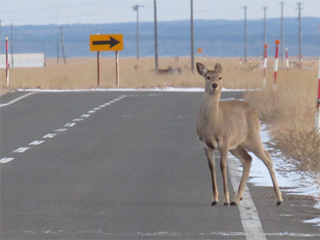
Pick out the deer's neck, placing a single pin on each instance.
(210, 106)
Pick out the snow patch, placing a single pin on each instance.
(294, 182)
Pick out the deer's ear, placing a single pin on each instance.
(218, 68)
(202, 70)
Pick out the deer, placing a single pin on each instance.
(229, 126)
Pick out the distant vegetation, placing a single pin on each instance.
(220, 38)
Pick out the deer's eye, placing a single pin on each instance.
(220, 78)
(208, 78)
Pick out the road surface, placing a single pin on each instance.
(124, 165)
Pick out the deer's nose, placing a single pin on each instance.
(214, 85)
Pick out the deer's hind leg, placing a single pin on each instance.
(261, 153)
(241, 153)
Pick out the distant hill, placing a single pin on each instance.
(221, 38)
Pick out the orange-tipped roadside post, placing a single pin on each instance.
(276, 65)
(318, 105)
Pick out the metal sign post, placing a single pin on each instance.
(98, 67)
(7, 61)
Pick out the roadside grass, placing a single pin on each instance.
(290, 109)
(81, 73)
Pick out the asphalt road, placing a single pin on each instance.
(124, 165)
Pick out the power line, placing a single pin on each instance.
(66, 16)
(136, 8)
(264, 28)
(50, 8)
(245, 34)
(155, 36)
(192, 37)
(281, 43)
(300, 37)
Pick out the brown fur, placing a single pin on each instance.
(229, 126)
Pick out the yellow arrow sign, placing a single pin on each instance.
(106, 42)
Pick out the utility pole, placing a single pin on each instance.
(57, 47)
(155, 36)
(281, 42)
(300, 38)
(62, 44)
(136, 8)
(192, 38)
(0, 35)
(264, 29)
(245, 34)
(11, 46)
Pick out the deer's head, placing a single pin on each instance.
(213, 83)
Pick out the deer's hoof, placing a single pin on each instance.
(241, 199)
(226, 204)
(233, 204)
(214, 203)
(279, 203)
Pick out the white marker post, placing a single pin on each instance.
(287, 59)
(7, 62)
(318, 105)
(276, 65)
(265, 63)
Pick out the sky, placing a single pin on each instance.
(39, 12)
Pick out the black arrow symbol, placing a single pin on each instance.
(112, 42)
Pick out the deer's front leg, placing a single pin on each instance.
(211, 162)
(223, 167)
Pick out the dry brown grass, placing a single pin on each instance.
(82, 73)
(290, 109)
(291, 112)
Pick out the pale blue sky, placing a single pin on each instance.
(21, 12)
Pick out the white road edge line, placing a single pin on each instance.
(248, 212)
(16, 100)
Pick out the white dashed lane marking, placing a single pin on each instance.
(38, 142)
(6, 160)
(21, 150)
(70, 124)
(57, 131)
(49, 135)
(78, 119)
(60, 130)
